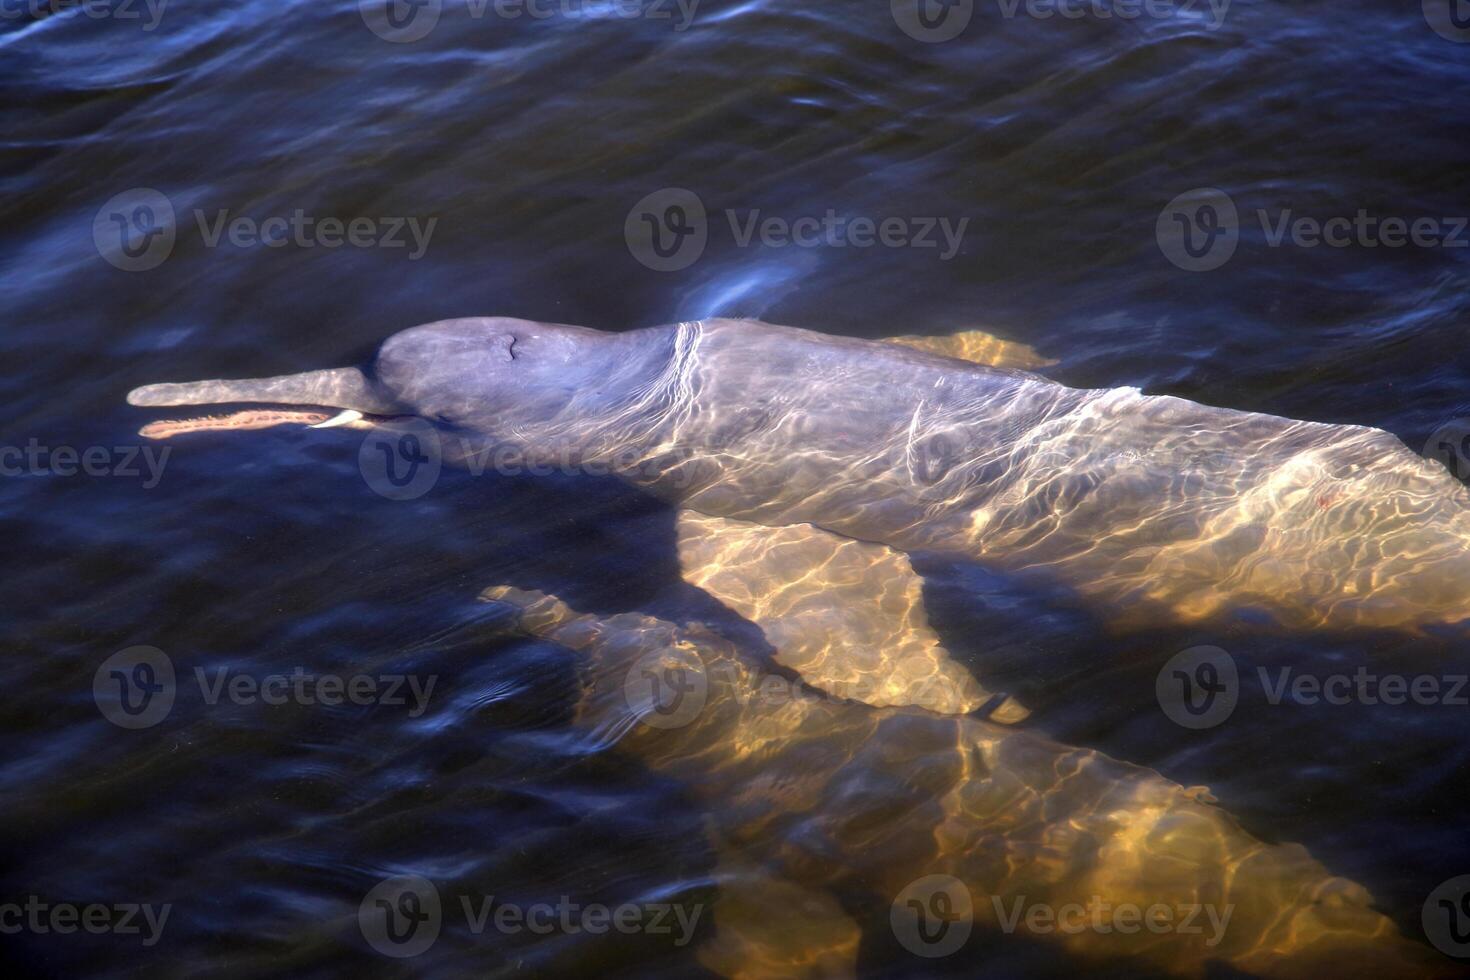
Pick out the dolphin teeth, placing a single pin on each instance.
(346, 417)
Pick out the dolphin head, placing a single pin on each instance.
(482, 373)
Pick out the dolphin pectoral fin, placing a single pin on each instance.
(846, 615)
(811, 937)
(978, 347)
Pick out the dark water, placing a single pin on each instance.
(529, 140)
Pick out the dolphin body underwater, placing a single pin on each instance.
(1019, 820)
(822, 811)
(1152, 506)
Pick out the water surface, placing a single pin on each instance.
(529, 141)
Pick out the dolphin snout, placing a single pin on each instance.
(339, 388)
(190, 393)
(344, 392)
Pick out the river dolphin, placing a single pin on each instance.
(1019, 820)
(821, 809)
(1151, 505)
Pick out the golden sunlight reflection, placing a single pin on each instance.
(846, 615)
(979, 347)
(1150, 505)
(815, 800)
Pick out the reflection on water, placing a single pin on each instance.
(979, 347)
(1147, 503)
(813, 797)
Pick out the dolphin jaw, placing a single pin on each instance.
(338, 397)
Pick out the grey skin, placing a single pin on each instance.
(1150, 505)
